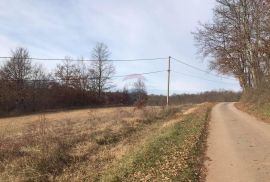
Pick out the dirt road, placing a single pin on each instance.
(238, 147)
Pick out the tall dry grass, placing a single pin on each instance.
(73, 148)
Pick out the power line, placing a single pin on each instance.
(55, 80)
(198, 77)
(199, 69)
(87, 60)
(79, 79)
(119, 60)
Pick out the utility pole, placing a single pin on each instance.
(169, 75)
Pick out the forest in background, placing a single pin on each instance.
(26, 87)
(208, 96)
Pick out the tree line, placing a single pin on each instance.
(238, 41)
(26, 87)
(209, 96)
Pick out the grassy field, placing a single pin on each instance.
(115, 144)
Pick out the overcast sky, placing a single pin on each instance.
(131, 29)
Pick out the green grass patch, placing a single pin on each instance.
(174, 153)
(265, 110)
(261, 111)
(256, 102)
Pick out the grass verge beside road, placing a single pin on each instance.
(174, 153)
(261, 111)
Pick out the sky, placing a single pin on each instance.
(131, 29)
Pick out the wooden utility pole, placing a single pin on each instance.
(169, 75)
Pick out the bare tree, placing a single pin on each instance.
(15, 73)
(83, 75)
(17, 76)
(237, 40)
(19, 67)
(102, 70)
(66, 73)
(139, 89)
(38, 87)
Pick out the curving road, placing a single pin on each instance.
(238, 147)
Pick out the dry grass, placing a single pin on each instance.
(173, 153)
(73, 146)
(257, 103)
(261, 111)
